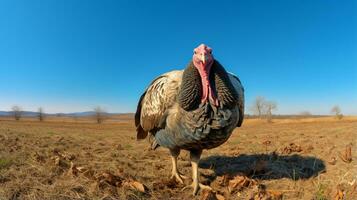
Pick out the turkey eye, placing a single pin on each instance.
(194, 52)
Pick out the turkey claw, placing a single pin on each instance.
(178, 177)
(197, 187)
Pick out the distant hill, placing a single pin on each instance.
(24, 113)
(74, 114)
(4, 113)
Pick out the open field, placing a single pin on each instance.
(63, 158)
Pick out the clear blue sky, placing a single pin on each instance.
(72, 55)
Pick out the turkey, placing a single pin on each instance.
(192, 109)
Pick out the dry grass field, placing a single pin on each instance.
(65, 158)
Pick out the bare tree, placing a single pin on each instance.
(258, 106)
(17, 112)
(40, 114)
(336, 110)
(269, 107)
(99, 114)
(305, 114)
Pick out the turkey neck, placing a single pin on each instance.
(191, 89)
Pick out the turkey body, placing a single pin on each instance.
(171, 112)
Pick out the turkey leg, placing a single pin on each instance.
(196, 185)
(175, 173)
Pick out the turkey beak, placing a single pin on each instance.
(203, 58)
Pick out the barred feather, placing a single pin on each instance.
(156, 100)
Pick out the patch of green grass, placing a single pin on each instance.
(5, 163)
(51, 133)
(320, 193)
(128, 146)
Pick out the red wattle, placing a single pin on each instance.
(208, 94)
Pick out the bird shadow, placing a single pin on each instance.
(264, 166)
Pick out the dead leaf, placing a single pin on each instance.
(110, 179)
(220, 197)
(339, 193)
(346, 156)
(291, 149)
(135, 185)
(224, 180)
(261, 193)
(208, 195)
(275, 194)
(211, 195)
(332, 161)
(240, 182)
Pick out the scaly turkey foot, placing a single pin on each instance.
(196, 186)
(178, 176)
